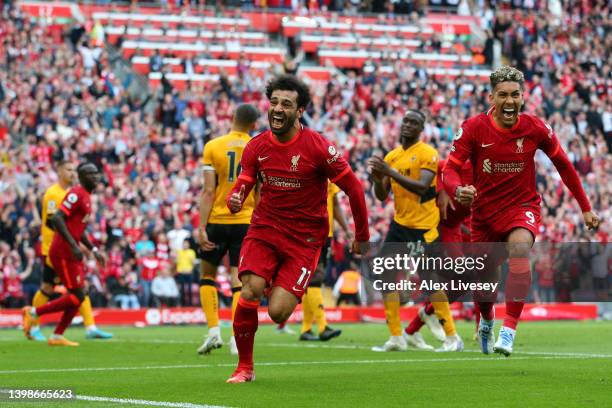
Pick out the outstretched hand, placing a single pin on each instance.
(444, 201)
(205, 244)
(591, 220)
(100, 258)
(360, 248)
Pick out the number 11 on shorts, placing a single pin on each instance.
(304, 278)
(531, 217)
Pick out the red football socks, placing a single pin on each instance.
(517, 290)
(429, 309)
(66, 320)
(245, 326)
(415, 325)
(63, 303)
(486, 310)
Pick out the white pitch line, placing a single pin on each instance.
(300, 363)
(343, 347)
(358, 347)
(130, 401)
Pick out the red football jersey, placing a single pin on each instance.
(77, 207)
(294, 182)
(503, 160)
(455, 217)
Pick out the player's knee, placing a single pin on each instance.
(208, 271)
(253, 287)
(278, 314)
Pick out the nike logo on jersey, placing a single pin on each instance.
(487, 145)
(263, 158)
(297, 289)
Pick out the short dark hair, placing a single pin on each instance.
(506, 73)
(83, 164)
(418, 112)
(245, 114)
(290, 83)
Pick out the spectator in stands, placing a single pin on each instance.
(123, 289)
(185, 262)
(31, 274)
(224, 286)
(164, 289)
(349, 287)
(156, 62)
(55, 102)
(149, 266)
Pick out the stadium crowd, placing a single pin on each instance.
(60, 99)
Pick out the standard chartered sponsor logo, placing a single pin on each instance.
(486, 166)
(506, 167)
(283, 182)
(509, 167)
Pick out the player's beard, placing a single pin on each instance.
(287, 122)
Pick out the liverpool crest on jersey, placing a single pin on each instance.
(294, 162)
(519, 145)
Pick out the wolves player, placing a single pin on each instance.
(290, 223)
(409, 171)
(51, 201)
(501, 145)
(221, 231)
(66, 256)
(452, 216)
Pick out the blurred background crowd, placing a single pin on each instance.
(61, 99)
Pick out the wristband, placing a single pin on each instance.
(94, 249)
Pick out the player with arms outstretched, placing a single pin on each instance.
(66, 256)
(290, 223)
(501, 144)
(52, 199)
(221, 231)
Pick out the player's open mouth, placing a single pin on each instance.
(509, 113)
(277, 122)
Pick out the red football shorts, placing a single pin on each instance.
(521, 217)
(70, 271)
(450, 234)
(280, 260)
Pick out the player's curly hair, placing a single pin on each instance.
(290, 83)
(506, 73)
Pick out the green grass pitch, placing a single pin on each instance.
(558, 364)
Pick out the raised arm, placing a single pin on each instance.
(570, 178)
(352, 188)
